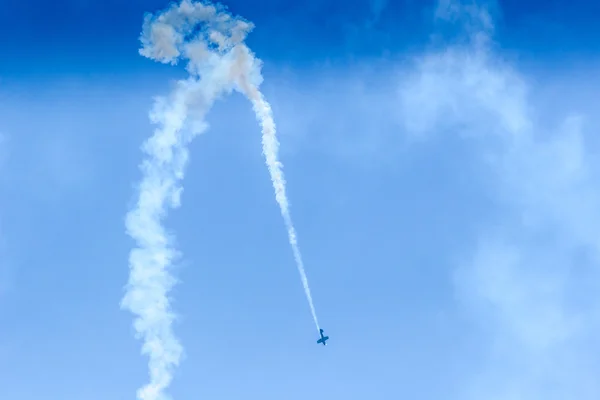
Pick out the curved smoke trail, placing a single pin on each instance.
(212, 42)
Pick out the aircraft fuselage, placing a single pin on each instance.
(323, 338)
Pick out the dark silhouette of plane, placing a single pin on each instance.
(323, 338)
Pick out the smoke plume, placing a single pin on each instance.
(218, 61)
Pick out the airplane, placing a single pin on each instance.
(323, 338)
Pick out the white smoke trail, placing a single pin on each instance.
(218, 62)
(262, 109)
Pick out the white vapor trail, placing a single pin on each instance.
(270, 145)
(212, 42)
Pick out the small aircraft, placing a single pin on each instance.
(323, 338)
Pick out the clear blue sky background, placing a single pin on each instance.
(444, 189)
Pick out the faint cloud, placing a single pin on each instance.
(377, 8)
(472, 16)
(527, 281)
(345, 116)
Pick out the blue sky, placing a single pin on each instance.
(441, 164)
